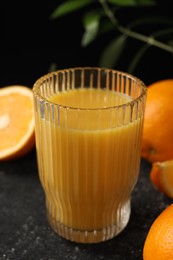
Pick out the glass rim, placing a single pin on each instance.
(48, 75)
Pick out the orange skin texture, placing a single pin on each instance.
(157, 139)
(155, 177)
(159, 241)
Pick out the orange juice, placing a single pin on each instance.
(89, 154)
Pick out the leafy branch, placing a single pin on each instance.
(101, 18)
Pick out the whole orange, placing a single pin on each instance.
(159, 241)
(157, 139)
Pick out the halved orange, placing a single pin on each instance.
(161, 176)
(17, 133)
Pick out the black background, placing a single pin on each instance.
(31, 42)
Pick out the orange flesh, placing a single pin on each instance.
(18, 118)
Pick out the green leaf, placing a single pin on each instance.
(170, 42)
(142, 51)
(91, 23)
(112, 52)
(146, 2)
(162, 32)
(90, 34)
(68, 7)
(52, 67)
(137, 58)
(151, 20)
(131, 2)
(91, 16)
(105, 27)
(123, 2)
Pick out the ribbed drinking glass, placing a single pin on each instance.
(88, 124)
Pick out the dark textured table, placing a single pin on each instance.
(25, 233)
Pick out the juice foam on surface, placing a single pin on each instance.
(100, 103)
(90, 98)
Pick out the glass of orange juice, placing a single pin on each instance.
(88, 124)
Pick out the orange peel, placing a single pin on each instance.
(159, 240)
(161, 176)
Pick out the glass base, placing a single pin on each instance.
(93, 236)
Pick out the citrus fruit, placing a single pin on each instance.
(16, 122)
(161, 176)
(157, 138)
(159, 241)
